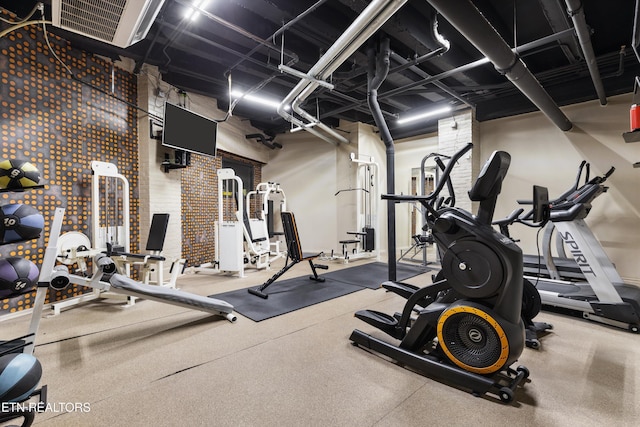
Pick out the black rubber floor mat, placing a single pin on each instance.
(285, 296)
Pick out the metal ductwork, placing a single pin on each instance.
(365, 25)
(576, 11)
(468, 20)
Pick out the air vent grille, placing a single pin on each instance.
(118, 22)
(96, 18)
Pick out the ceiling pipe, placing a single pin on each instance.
(365, 25)
(461, 69)
(267, 142)
(468, 20)
(143, 60)
(436, 41)
(558, 20)
(437, 84)
(187, 45)
(281, 30)
(575, 9)
(377, 71)
(239, 30)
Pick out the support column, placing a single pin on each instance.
(159, 192)
(453, 133)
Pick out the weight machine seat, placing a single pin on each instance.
(143, 257)
(157, 232)
(155, 240)
(247, 227)
(346, 242)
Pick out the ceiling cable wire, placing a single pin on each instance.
(25, 19)
(281, 30)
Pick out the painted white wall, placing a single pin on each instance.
(306, 169)
(543, 154)
(157, 190)
(311, 171)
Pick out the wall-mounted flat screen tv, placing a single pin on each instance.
(189, 131)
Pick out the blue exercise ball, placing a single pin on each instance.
(18, 174)
(17, 276)
(20, 374)
(19, 222)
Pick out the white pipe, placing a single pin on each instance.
(301, 75)
(360, 23)
(365, 25)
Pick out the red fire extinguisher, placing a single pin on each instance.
(634, 113)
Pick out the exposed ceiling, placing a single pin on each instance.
(245, 39)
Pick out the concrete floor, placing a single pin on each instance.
(154, 364)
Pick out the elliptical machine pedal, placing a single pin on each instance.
(531, 306)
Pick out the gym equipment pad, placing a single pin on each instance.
(296, 293)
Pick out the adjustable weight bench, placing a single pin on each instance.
(294, 256)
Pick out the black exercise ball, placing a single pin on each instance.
(17, 276)
(18, 174)
(19, 222)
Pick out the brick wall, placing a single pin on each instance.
(453, 134)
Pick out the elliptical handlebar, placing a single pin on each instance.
(604, 177)
(451, 200)
(444, 179)
(511, 218)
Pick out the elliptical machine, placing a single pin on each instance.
(468, 330)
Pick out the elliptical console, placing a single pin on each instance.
(468, 330)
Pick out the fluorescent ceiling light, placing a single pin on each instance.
(192, 13)
(257, 99)
(424, 115)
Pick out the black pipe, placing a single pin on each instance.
(467, 19)
(446, 74)
(278, 32)
(376, 73)
(267, 142)
(575, 9)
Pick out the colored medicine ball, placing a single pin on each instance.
(17, 276)
(19, 222)
(17, 174)
(19, 376)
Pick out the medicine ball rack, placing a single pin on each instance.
(26, 343)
